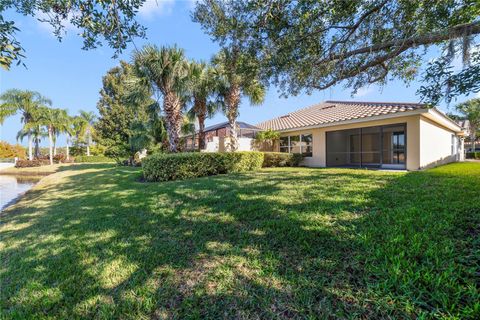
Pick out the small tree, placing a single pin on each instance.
(26, 103)
(237, 76)
(166, 71)
(86, 122)
(267, 139)
(202, 88)
(471, 111)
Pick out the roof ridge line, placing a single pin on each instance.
(375, 102)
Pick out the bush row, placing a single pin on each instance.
(30, 163)
(163, 167)
(473, 155)
(281, 159)
(83, 159)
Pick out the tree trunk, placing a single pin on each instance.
(173, 119)
(88, 149)
(37, 147)
(54, 147)
(50, 145)
(233, 101)
(30, 147)
(201, 111)
(473, 137)
(201, 133)
(68, 149)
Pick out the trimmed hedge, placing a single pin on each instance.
(174, 166)
(281, 159)
(83, 159)
(28, 163)
(473, 155)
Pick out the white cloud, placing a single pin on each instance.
(364, 91)
(152, 8)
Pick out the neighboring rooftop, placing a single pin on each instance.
(464, 124)
(240, 124)
(336, 111)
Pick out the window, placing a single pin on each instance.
(297, 144)
(454, 147)
(307, 141)
(284, 143)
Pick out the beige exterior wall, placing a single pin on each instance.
(436, 144)
(318, 158)
(428, 141)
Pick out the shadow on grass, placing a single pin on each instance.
(290, 243)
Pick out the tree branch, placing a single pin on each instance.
(375, 62)
(455, 32)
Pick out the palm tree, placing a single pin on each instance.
(202, 86)
(166, 71)
(87, 120)
(237, 74)
(54, 121)
(61, 125)
(27, 103)
(47, 119)
(471, 111)
(70, 132)
(35, 132)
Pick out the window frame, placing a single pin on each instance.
(289, 146)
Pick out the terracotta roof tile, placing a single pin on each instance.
(336, 111)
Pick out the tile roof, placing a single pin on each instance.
(336, 111)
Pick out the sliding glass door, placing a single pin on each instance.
(394, 148)
(380, 146)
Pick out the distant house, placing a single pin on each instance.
(369, 134)
(216, 137)
(469, 145)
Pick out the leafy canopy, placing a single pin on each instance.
(128, 116)
(26, 102)
(313, 45)
(470, 110)
(112, 21)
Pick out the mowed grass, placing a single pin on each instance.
(94, 242)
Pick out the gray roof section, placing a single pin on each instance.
(240, 124)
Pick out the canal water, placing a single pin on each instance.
(13, 187)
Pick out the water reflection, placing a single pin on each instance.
(11, 187)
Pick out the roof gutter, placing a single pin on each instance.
(441, 118)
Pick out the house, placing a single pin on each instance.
(217, 137)
(469, 145)
(369, 134)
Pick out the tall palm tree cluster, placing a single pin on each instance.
(196, 90)
(40, 120)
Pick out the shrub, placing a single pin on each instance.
(83, 159)
(163, 167)
(473, 155)
(28, 163)
(59, 158)
(8, 150)
(281, 159)
(95, 150)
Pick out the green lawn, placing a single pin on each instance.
(91, 241)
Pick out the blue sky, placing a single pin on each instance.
(71, 77)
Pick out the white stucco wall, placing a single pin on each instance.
(436, 144)
(220, 144)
